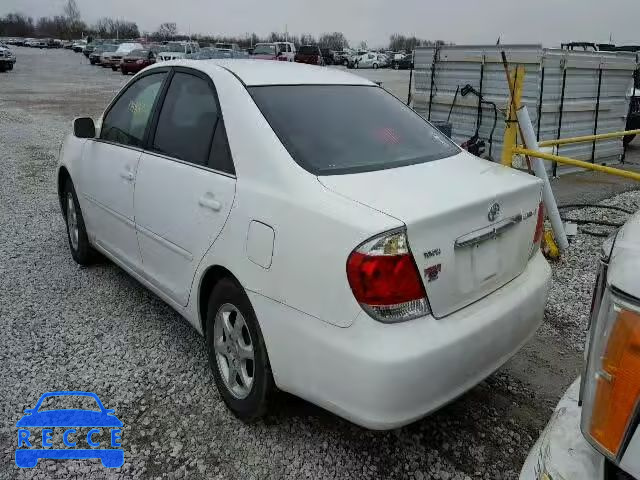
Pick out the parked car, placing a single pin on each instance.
(312, 258)
(367, 60)
(90, 47)
(123, 49)
(341, 58)
(136, 61)
(227, 46)
(210, 53)
(351, 60)
(7, 58)
(176, 51)
(594, 433)
(309, 54)
(67, 45)
(327, 56)
(106, 58)
(286, 50)
(270, 51)
(95, 58)
(405, 63)
(79, 45)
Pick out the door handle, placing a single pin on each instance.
(207, 201)
(127, 175)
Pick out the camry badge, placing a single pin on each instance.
(494, 212)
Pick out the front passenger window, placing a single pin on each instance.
(127, 120)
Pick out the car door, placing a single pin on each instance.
(109, 166)
(185, 185)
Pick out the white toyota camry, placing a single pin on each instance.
(322, 236)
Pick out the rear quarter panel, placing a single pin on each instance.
(315, 229)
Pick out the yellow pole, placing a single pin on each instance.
(587, 138)
(578, 163)
(516, 80)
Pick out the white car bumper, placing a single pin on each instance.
(561, 452)
(383, 376)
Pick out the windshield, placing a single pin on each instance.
(265, 50)
(352, 128)
(308, 50)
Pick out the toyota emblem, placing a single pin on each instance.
(494, 212)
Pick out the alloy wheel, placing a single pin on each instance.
(234, 350)
(72, 221)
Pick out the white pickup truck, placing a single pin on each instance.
(594, 433)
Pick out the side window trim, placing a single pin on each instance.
(190, 164)
(166, 71)
(153, 124)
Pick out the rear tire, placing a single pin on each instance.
(81, 250)
(233, 336)
(124, 72)
(375, 66)
(115, 69)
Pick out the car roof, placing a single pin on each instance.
(270, 72)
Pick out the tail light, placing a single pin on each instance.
(537, 235)
(385, 279)
(612, 380)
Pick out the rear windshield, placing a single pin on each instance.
(308, 50)
(340, 129)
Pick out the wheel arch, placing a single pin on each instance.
(63, 176)
(208, 282)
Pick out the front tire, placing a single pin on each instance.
(237, 353)
(81, 250)
(375, 66)
(115, 69)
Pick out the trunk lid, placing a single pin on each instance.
(464, 246)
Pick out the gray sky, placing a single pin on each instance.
(461, 21)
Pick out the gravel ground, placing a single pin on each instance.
(96, 329)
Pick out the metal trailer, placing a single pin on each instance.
(568, 94)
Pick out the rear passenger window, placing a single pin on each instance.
(220, 157)
(187, 120)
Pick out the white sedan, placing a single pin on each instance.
(323, 237)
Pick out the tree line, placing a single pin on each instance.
(70, 26)
(67, 26)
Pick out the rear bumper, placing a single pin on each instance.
(561, 451)
(385, 376)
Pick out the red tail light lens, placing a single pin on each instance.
(385, 280)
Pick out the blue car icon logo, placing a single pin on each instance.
(80, 426)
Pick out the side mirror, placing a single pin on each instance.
(83, 127)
